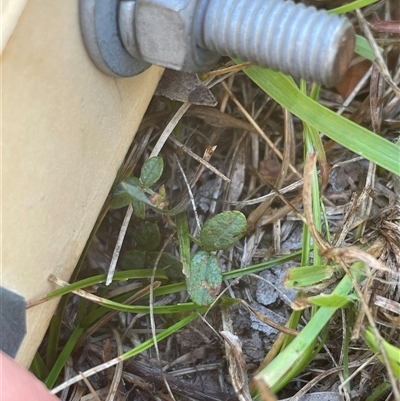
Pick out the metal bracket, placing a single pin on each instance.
(12, 321)
(99, 25)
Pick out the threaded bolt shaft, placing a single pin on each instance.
(281, 35)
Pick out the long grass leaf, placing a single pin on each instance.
(352, 6)
(140, 348)
(101, 278)
(278, 372)
(63, 357)
(350, 135)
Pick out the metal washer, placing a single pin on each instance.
(99, 26)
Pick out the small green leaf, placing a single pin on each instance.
(135, 190)
(147, 236)
(120, 196)
(134, 259)
(151, 171)
(332, 300)
(133, 187)
(120, 201)
(204, 282)
(139, 209)
(223, 230)
(169, 263)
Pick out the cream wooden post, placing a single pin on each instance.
(65, 130)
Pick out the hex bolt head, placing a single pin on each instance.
(281, 35)
(165, 35)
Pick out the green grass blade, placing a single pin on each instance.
(147, 344)
(63, 357)
(292, 323)
(306, 246)
(276, 373)
(332, 300)
(54, 334)
(379, 391)
(177, 287)
(352, 6)
(350, 135)
(393, 352)
(101, 278)
(157, 310)
(260, 266)
(169, 289)
(38, 367)
(312, 135)
(164, 334)
(346, 347)
(306, 276)
(182, 227)
(364, 49)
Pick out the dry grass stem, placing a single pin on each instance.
(255, 201)
(225, 70)
(355, 91)
(118, 369)
(237, 365)
(201, 160)
(317, 379)
(350, 216)
(169, 128)
(357, 371)
(90, 387)
(309, 170)
(387, 304)
(270, 322)
(152, 321)
(140, 383)
(257, 128)
(118, 245)
(379, 61)
(189, 190)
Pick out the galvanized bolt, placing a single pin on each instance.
(281, 35)
(191, 35)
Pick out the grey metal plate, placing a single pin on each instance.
(12, 321)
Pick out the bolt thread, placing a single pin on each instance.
(281, 35)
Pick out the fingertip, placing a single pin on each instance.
(18, 384)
